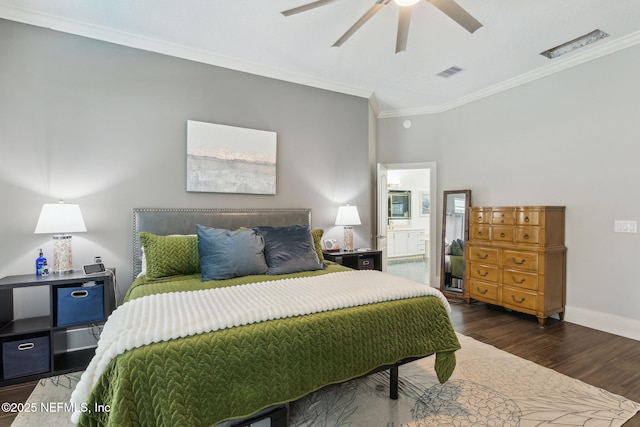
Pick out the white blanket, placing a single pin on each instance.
(163, 317)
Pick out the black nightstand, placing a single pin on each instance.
(358, 260)
(37, 347)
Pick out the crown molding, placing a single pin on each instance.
(179, 51)
(560, 64)
(175, 50)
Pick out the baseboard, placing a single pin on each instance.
(611, 323)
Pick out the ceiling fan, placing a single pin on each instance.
(448, 7)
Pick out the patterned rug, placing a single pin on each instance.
(488, 388)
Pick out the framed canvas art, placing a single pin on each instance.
(228, 159)
(425, 204)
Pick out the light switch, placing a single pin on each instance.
(620, 226)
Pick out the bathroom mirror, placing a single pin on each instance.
(399, 204)
(455, 233)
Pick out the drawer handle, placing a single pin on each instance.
(480, 291)
(479, 233)
(517, 281)
(26, 346)
(481, 274)
(480, 219)
(526, 219)
(502, 235)
(526, 236)
(79, 294)
(516, 301)
(483, 257)
(518, 262)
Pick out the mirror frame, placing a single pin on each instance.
(399, 194)
(467, 193)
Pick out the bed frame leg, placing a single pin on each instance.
(393, 382)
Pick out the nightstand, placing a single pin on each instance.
(358, 260)
(37, 347)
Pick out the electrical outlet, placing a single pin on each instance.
(620, 226)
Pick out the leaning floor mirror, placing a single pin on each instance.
(455, 233)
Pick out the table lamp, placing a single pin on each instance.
(60, 219)
(348, 217)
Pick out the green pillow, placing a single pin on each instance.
(317, 242)
(170, 255)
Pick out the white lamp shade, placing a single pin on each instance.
(348, 215)
(58, 218)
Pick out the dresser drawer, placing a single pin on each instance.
(480, 215)
(502, 217)
(502, 234)
(484, 255)
(520, 279)
(528, 235)
(520, 260)
(483, 291)
(519, 299)
(480, 232)
(528, 217)
(488, 273)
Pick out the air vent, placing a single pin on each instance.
(574, 44)
(449, 72)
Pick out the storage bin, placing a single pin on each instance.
(25, 356)
(365, 263)
(78, 305)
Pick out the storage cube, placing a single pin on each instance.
(27, 356)
(365, 263)
(78, 305)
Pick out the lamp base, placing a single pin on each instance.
(62, 258)
(348, 238)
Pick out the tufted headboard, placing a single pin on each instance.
(183, 221)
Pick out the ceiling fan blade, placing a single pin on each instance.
(404, 18)
(355, 27)
(306, 7)
(458, 14)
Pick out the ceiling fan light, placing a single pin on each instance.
(406, 2)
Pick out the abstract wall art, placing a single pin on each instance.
(228, 159)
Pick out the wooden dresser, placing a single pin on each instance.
(516, 258)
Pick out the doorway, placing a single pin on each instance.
(406, 213)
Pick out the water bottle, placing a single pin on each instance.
(41, 261)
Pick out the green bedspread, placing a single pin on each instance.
(457, 266)
(233, 373)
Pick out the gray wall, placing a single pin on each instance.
(569, 139)
(104, 126)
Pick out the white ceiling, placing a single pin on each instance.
(252, 36)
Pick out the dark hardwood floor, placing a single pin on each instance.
(18, 393)
(603, 360)
(597, 358)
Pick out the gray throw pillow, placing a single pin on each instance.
(225, 254)
(289, 249)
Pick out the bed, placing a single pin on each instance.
(454, 265)
(233, 361)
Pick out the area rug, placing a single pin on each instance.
(488, 388)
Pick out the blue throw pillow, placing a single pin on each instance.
(289, 249)
(225, 254)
